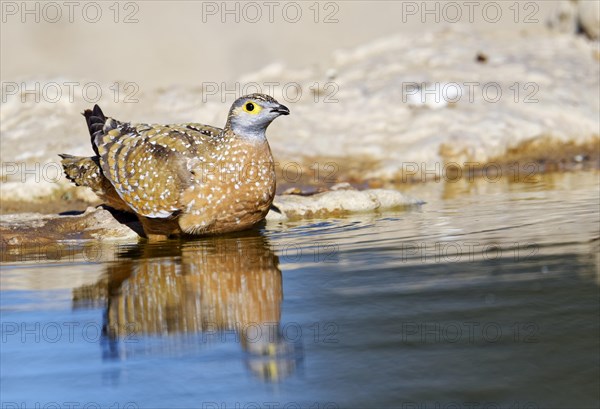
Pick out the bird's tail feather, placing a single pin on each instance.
(95, 120)
(83, 171)
(86, 171)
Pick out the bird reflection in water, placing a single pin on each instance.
(220, 288)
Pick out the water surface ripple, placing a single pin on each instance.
(487, 294)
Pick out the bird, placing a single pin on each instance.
(183, 179)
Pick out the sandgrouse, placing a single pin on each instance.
(184, 178)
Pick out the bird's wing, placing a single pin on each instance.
(150, 165)
(205, 130)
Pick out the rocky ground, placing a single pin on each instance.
(17, 230)
(377, 110)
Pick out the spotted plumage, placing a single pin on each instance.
(184, 178)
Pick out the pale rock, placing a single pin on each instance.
(339, 202)
(589, 17)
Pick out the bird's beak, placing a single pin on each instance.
(281, 110)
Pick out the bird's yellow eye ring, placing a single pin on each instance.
(251, 108)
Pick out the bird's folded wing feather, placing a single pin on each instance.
(149, 165)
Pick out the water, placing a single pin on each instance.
(485, 297)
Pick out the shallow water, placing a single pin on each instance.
(485, 297)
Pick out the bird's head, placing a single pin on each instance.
(250, 115)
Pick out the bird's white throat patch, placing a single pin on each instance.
(249, 130)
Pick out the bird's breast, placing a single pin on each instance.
(232, 190)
